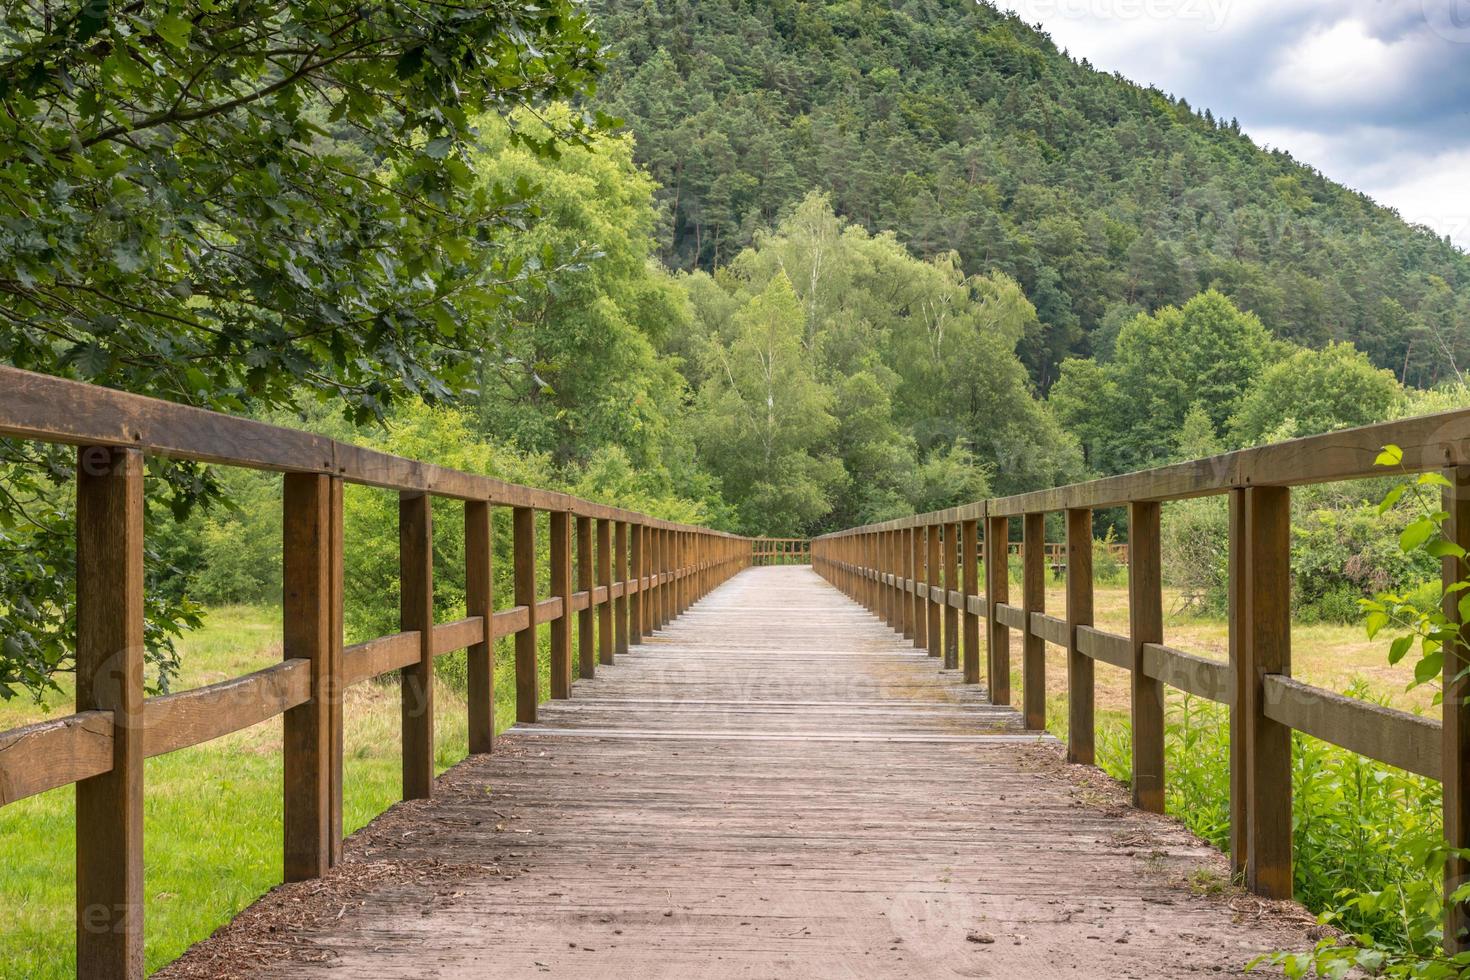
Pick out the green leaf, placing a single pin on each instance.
(1391, 455)
(174, 30)
(1416, 534)
(1429, 667)
(1392, 497)
(1399, 647)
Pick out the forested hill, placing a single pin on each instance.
(960, 127)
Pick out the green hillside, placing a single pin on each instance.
(959, 127)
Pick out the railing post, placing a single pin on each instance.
(903, 570)
(631, 611)
(1239, 818)
(586, 563)
(921, 612)
(893, 590)
(1146, 625)
(951, 584)
(620, 574)
(1080, 685)
(309, 545)
(561, 587)
(970, 587)
(523, 536)
(479, 588)
(1265, 648)
(604, 579)
(1033, 600)
(933, 575)
(997, 591)
(416, 681)
(109, 659)
(1456, 717)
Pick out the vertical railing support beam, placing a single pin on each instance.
(523, 535)
(416, 681)
(1080, 684)
(1033, 600)
(479, 583)
(997, 591)
(309, 546)
(1264, 648)
(109, 665)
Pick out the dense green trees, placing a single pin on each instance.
(961, 128)
(1129, 411)
(246, 206)
(903, 379)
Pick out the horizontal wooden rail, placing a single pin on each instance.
(650, 570)
(905, 570)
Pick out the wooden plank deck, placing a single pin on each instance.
(776, 785)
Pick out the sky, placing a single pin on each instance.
(1373, 93)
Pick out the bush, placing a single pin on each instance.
(1346, 551)
(1195, 549)
(1106, 569)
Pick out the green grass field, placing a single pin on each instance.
(196, 881)
(212, 837)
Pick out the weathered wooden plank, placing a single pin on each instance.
(186, 718)
(1110, 648)
(55, 752)
(1011, 616)
(458, 635)
(1200, 676)
(584, 599)
(363, 661)
(512, 620)
(1049, 629)
(109, 672)
(1401, 739)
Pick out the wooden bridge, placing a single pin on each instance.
(790, 770)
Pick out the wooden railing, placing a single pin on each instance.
(642, 573)
(781, 551)
(921, 574)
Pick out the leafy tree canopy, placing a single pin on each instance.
(235, 205)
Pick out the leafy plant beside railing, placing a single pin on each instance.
(1405, 848)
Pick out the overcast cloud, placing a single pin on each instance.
(1374, 93)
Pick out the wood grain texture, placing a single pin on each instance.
(1455, 715)
(55, 752)
(1145, 626)
(523, 535)
(479, 587)
(1081, 696)
(416, 613)
(185, 718)
(712, 806)
(1033, 602)
(109, 672)
(560, 551)
(1265, 648)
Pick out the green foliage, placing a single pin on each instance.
(1314, 391)
(763, 416)
(913, 361)
(962, 128)
(246, 206)
(1130, 412)
(576, 369)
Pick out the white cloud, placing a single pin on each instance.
(1373, 94)
(1344, 64)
